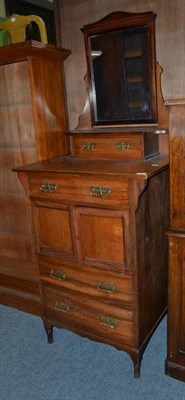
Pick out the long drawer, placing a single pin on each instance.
(104, 285)
(80, 189)
(83, 313)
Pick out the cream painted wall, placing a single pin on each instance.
(2, 8)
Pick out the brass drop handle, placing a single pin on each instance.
(106, 287)
(109, 322)
(100, 191)
(61, 307)
(122, 146)
(54, 273)
(48, 187)
(88, 146)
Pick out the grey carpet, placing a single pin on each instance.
(75, 368)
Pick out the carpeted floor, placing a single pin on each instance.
(74, 368)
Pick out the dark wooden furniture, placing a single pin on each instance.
(99, 218)
(32, 123)
(175, 362)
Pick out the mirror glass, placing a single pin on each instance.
(121, 65)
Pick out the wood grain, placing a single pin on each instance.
(175, 361)
(120, 240)
(32, 124)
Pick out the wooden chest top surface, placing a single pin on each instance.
(140, 169)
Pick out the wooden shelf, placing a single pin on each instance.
(135, 105)
(133, 54)
(135, 79)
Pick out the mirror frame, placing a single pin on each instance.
(113, 22)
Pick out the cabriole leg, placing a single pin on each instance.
(136, 358)
(49, 330)
(137, 367)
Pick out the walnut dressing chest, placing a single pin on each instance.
(99, 214)
(101, 246)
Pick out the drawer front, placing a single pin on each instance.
(119, 147)
(80, 189)
(103, 285)
(83, 313)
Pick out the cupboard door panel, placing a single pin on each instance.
(13, 209)
(53, 229)
(176, 298)
(101, 236)
(177, 170)
(99, 233)
(15, 75)
(18, 243)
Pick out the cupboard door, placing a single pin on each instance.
(177, 168)
(53, 230)
(102, 237)
(176, 300)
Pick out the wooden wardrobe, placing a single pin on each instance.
(32, 125)
(175, 362)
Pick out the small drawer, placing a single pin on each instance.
(80, 189)
(83, 313)
(104, 285)
(116, 146)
